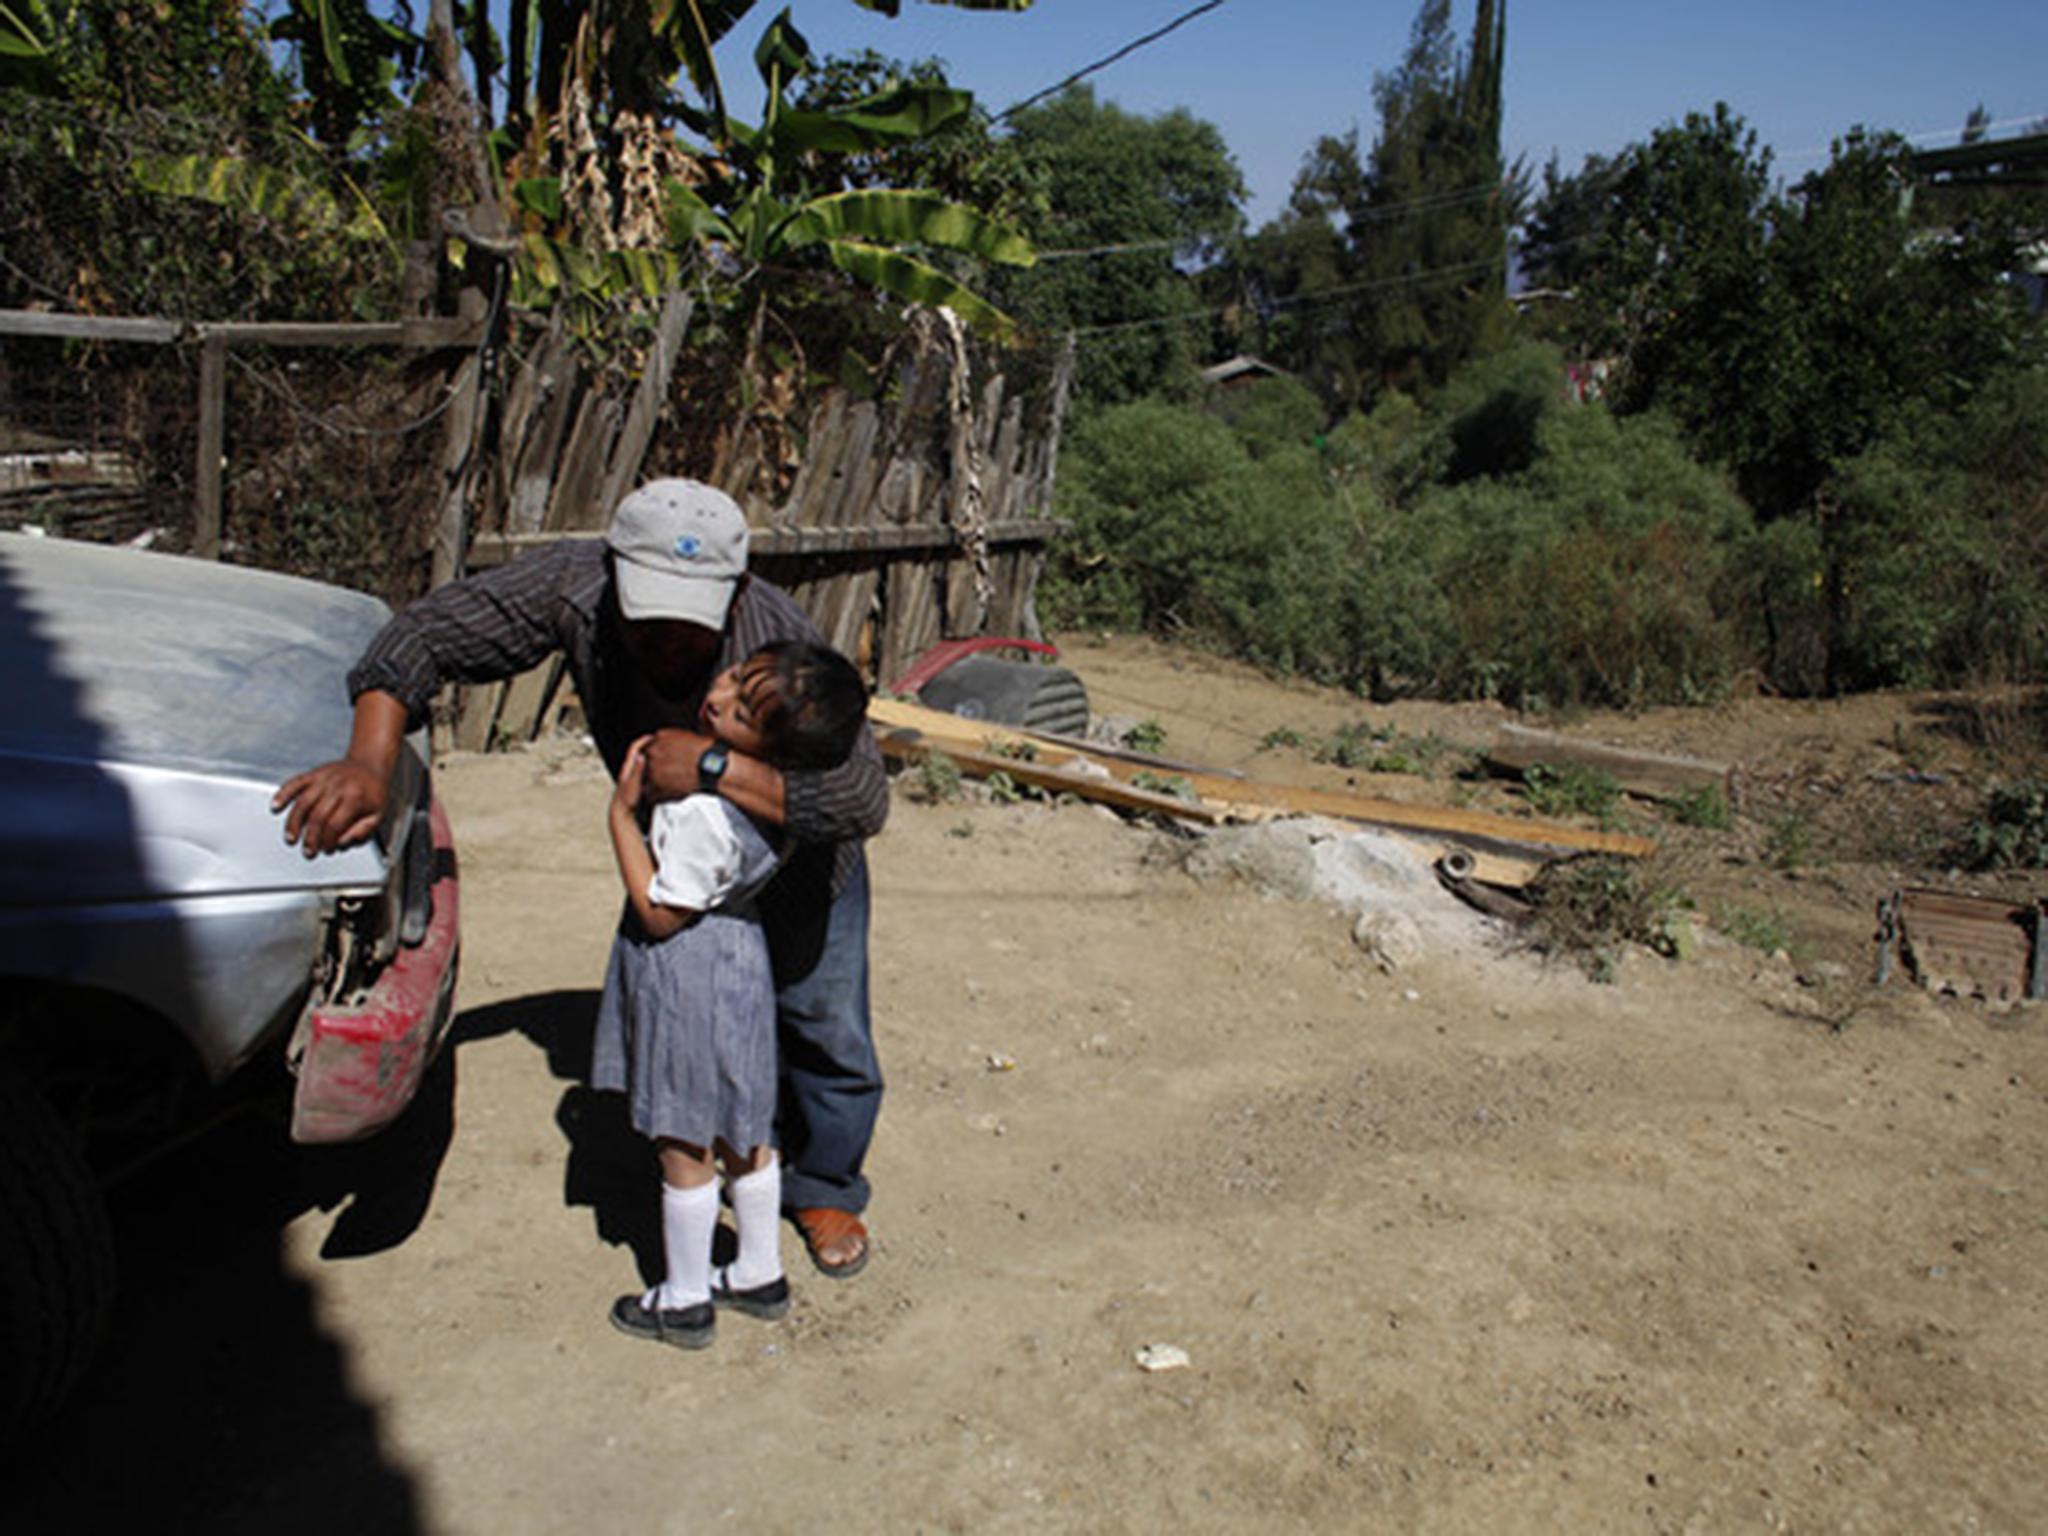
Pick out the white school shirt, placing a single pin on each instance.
(699, 858)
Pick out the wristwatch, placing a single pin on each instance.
(711, 767)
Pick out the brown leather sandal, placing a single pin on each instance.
(837, 1240)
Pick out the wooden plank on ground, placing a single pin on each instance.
(1653, 775)
(908, 745)
(1242, 796)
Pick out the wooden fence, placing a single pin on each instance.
(905, 522)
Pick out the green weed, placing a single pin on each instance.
(1572, 790)
(2012, 830)
(1788, 844)
(1706, 806)
(938, 779)
(1147, 736)
(1165, 784)
(1591, 908)
(1760, 930)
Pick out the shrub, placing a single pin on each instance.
(1592, 578)
(1178, 528)
(1939, 548)
(1587, 908)
(2012, 830)
(1706, 807)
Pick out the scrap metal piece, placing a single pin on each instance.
(1969, 946)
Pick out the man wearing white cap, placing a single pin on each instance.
(646, 619)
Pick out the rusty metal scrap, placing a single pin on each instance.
(1968, 946)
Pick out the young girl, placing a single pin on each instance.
(687, 1023)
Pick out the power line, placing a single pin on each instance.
(1301, 300)
(1926, 133)
(1103, 63)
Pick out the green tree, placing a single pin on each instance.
(1301, 276)
(118, 87)
(1389, 271)
(1432, 234)
(1143, 201)
(1557, 247)
(1681, 280)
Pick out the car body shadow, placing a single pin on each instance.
(220, 1402)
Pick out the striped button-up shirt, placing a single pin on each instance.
(557, 599)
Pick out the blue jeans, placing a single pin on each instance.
(831, 1082)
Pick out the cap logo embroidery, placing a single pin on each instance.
(689, 546)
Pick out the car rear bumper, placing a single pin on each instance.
(363, 1063)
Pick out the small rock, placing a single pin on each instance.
(1390, 940)
(1162, 1357)
(1412, 995)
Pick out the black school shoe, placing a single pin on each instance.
(685, 1327)
(770, 1301)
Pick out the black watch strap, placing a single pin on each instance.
(711, 766)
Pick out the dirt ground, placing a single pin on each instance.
(1737, 1242)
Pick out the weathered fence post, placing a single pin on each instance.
(206, 486)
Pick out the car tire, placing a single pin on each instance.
(56, 1260)
(1039, 698)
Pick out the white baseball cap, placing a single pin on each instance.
(679, 548)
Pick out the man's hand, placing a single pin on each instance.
(332, 806)
(672, 763)
(342, 802)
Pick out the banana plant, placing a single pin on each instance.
(27, 61)
(761, 205)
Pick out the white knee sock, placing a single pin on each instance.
(689, 1217)
(757, 1208)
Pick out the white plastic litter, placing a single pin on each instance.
(1162, 1357)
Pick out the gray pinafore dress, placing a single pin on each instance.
(686, 1026)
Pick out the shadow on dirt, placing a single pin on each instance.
(611, 1167)
(220, 1403)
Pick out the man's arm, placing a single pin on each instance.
(835, 805)
(480, 629)
(484, 628)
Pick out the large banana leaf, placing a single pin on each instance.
(19, 36)
(26, 59)
(911, 280)
(300, 205)
(905, 112)
(544, 268)
(781, 55)
(905, 218)
(692, 221)
(693, 28)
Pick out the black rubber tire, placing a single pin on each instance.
(56, 1260)
(1039, 698)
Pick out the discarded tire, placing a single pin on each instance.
(1038, 698)
(56, 1260)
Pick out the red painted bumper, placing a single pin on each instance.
(363, 1064)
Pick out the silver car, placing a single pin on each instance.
(157, 934)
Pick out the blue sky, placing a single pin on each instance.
(1582, 75)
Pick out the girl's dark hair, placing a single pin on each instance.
(808, 700)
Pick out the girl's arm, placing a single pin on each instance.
(636, 863)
